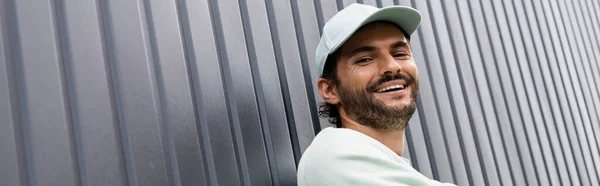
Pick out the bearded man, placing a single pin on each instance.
(370, 83)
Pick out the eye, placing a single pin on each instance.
(401, 54)
(363, 60)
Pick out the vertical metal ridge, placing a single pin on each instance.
(593, 10)
(594, 5)
(116, 94)
(582, 80)
(530, 75)
(24, 129)
(575, 102)
(481, 103)
(466, 99)
(533, 107)
(106, 38)
(409, 143)
(9, 35)
(198, 104)
(573, 140)
(593, 13)
(592, 143)
(312, 100)
(165, 131)
(516, 70)
(285, 91)
(340, 4)
(534, 23)
(504, 50)
(592, 30)
(227, 82)
(260, 95)
(451, 100)
(66, 80)
(494, 106)
(319, 13)
(432, 158)
(379, 4)
(184, 31)
(556, 94)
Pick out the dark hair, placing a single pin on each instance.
(327, 110)
(331, 111)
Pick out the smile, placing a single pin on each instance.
(390, 88)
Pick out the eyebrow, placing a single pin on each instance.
(372, 48)
(400, 44)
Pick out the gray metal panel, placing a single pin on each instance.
(488, 134)
(583, 87)
(530, 72)
(546, 93)
(206, 76)
(525, 92)
(135, 90)
(184, 92)
(179, 130)
(345, 3)
(273, 113)
(576, 177)
(294, 83)
(572, 117)
(492, 51)
(240, 95)
(307, 29)
(592, 69)
(479, 144)
(553, 127)
(450, 53)
(418, 142)
(594, 53)
(11, 144)
(44, 106)
(416, 149)
(95, 126)
(513, 90)
(432, 113)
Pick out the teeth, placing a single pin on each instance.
(390, 87)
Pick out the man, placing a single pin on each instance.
(370, 83)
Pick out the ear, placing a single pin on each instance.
(328, 91)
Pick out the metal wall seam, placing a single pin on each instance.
(14, 171)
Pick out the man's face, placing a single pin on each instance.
(378, 78)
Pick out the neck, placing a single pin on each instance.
(393, 139)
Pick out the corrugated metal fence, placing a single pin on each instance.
(221, 92)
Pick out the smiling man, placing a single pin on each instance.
(370, 83)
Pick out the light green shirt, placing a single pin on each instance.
(339, 156)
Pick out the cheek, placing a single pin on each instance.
(412, 70)
(357, 77)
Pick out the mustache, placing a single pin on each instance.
(388, 77)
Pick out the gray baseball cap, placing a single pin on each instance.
(343, 24)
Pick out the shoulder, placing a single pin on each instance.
(332, 143)
(343, 157)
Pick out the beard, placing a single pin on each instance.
(361, 105)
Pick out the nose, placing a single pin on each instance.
(388, 64)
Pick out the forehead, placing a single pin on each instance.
(374, 32)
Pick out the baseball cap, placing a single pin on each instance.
(343, 25)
